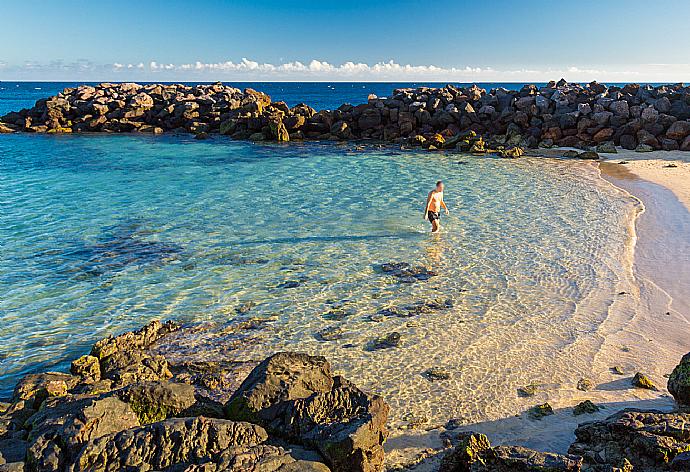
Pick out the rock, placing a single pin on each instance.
(528, 390)
(158, 400)
(539, 411)
(12, 450)
(679, 382)
(606, 148)
(387, 341)
(588, 155)
(678, 130)
(134, 340)
(437, 373)
(649, 440)
(681, 461)
(618, 370)
(585, 385)
(474, 453)
(34, 389)
(620, 108)
(628, 142)
(570, 154)
(5, 129)
(470, 450)
(87, 367)
(296, 397)
(370, 118)
(585, 407)
(642, 381)
(62, 426)
(644, 148)
(127, 367)
(161, 445)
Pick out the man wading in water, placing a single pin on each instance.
(434, 202)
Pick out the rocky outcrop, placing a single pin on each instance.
(296, 397)
(109, 416)
(474, 453)
(649, 440)
(679, 382)
(557, 114)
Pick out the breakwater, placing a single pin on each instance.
(594, 115)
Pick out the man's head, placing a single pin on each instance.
(439, 185)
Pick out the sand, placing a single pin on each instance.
(654, 167)
(652, 321)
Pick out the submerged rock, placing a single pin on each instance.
(387, 341)
(528, 390)
(296, 397)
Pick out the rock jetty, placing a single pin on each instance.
(123, 407)
(591, 116)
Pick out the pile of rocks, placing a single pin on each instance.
(121, 408)
(634, 116)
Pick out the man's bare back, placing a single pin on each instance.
(434, 202)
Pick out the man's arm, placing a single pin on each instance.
(443, 204)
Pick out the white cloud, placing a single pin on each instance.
(250, 70)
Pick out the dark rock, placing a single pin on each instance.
(528, 390)
(34, 389)
(539, 411)
(585, 385)
(387, 341)
(474, 453)
(63, 425)
(296, 397)
(679, 382)
(182, 441)
(437, 373)
(640, 380)
(649, 440)
(585, 407)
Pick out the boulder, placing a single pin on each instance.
(649, 440)
(179, 441)
(86, 367)
(34, 389)
(158, 400)
(296, 397)
(679, 382)
(678, 130)
(474, 453)
(63, 425)
(640, 380)
(370, 118)
(134, 340)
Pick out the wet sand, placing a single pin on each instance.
(648, 327)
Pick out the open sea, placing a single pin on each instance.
(100, 234)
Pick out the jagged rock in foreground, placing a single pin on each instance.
(474, 453)
(203, 444)
(649, 440)
(296, 397)
(639, 117)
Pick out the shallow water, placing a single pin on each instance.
(100, 234)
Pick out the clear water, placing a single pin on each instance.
(99, 234)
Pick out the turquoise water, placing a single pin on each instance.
(100, 234)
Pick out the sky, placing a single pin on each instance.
(376, 40)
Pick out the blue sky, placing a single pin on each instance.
(631, 40)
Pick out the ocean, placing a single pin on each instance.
(100, 234)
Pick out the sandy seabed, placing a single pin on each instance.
(648, 330)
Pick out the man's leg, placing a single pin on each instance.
(434, 226)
